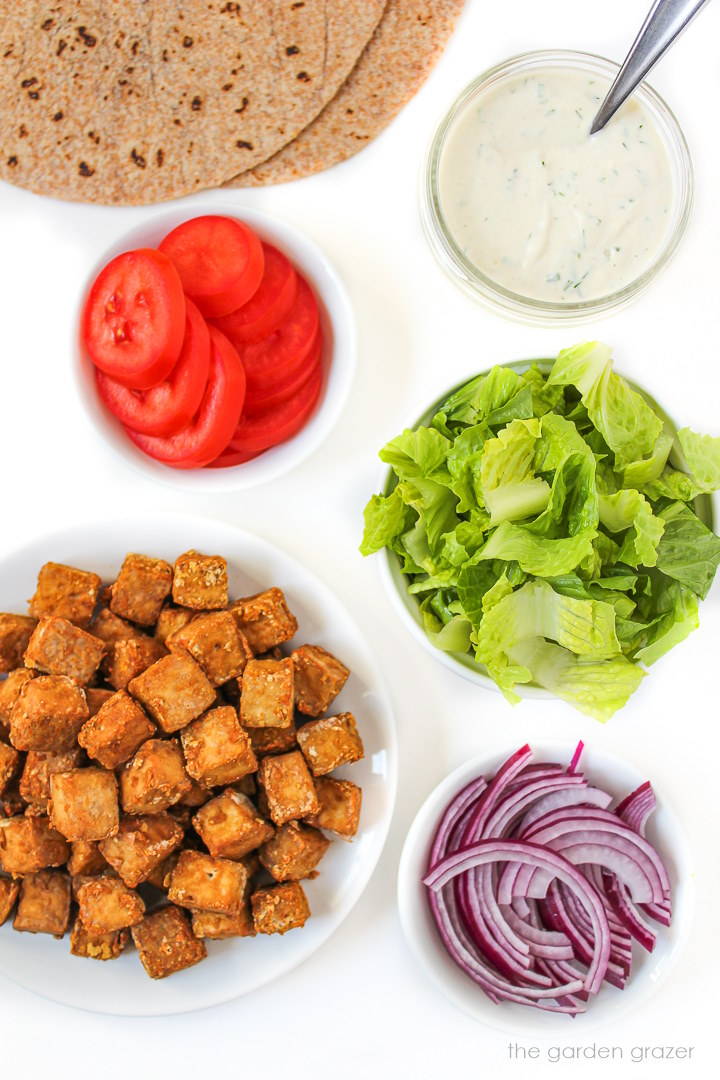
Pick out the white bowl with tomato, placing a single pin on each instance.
(215, 350)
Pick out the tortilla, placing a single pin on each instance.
(395, 63)
(133, 101)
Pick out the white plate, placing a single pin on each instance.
(648, 970)
(41, 963)
(338, 358)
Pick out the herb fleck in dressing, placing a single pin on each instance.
(543, 208)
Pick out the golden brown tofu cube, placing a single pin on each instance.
(141, 588)
(216, 644)
(267, 694)
(9, 890)
(57, 647)
(293, 852)
(9, 692)
(288, 787)
(155, 778)
(110, 628)
(84, 804)
(29, 844)
(166, 944)
(206, 883)
(217, 750)
(47, 715)
(230, 826)
(159, 877)
(273, 740)
(92, 946)
(171, 619)
(198, 794)
(141, 844)
(85, 859)
(107, 904)
(329, 743)
(67, 592)
(340, 802)
(38, 768)
(116, 732)
(128, 659)
(174, 691)
(200, 581)
(279, 908)
(15, 633)
(10, 762)
(217, 927)
(44, 904)
(265, 619)
(319, 678)
(96, 698)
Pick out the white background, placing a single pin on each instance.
(361, 1004)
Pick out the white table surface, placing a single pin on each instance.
(361, 1004)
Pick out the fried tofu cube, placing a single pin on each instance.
(57, 647)
(265, 619)
(217, 927)
(38, 768)
(10, 762)
(267, 694)
(160, 876)
(293, 852)
(279, 908)
(66, 592)
(171, 619)
(128, 659)
(9, 692)
(110, 628)
(107, 904)
(200, 581)
(230, 826)
(85, 859)
(116, 732)
(206, 883)
(215, 643)
(47, 715)
(319, 678)
(174, 691)
(166, 944)
(94, 946)
(29, 844)
(96, 698)
(9, 890)
(155, 778)
(15, 633)
(288, 787)
(340, 802)
(84, 804)
(142, 587)
(329, 743)
(44, 904)
(140, 845)
(217, 750)
(198, 794)
(273, 740)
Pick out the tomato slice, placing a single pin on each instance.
(274, 426)
(133, 322)
(272, 303)
(171, 405)
(269, 399)
(278, 357)
(211, 428)
(219, 260)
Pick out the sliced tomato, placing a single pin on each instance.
(272, 303)
(231, 457)
(219, 260)
(269, 399)
(134, 318)
(211, 428)
(171, 405)
(278, 357)
(255, 433)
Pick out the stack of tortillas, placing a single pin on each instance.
(135, 101)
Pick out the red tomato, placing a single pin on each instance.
(271, 304)
(278, 357)
(171, 405)
(211, 428)
(231, 457)
(134, 318)
(219, 260)
(261, 402)
(260, 432)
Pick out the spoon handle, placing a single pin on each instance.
(665, 22)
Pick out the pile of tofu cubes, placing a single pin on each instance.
(165, 761)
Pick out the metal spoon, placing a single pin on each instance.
(665, 22)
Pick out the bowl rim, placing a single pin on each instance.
(481, 286)
(339, 356)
